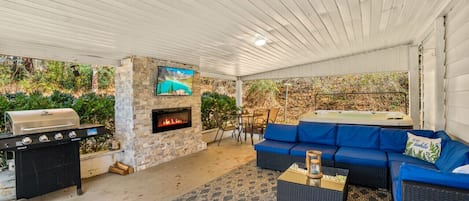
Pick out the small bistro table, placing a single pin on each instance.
(293, 184)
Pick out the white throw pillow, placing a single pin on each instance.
(423, 148)
(462, 169)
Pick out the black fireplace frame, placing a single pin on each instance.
(156, 112)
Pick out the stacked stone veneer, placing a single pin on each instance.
(135, 99)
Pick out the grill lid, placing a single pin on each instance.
(37, 121)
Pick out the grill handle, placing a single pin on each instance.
(47, 127)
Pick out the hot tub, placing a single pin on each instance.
(383, 119)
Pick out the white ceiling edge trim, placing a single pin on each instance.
(217, 76)
(39, 51)
(426, 28)
(383, 60)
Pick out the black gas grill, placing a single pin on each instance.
(46, 149)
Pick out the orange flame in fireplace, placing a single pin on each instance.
(170, 122)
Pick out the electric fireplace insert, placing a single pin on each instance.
(171, 119)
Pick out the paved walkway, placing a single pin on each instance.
(163, 182)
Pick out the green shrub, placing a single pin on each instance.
(214, 102)
(92, 109)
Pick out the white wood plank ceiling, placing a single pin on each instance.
(216, 35)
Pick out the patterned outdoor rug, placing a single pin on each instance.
(250, 183)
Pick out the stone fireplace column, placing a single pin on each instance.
(135, 99)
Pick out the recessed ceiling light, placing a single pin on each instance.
(260, 41)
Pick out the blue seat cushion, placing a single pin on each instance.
(404, 158)
(394, 168)
(319, 133)
(358, 136)
(392, 140)
(273, 146)
(281, 132)
(453, 155)
(360, 156)
(328, 151)
(417, 173)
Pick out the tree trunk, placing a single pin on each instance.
(28, 64)
(94, 83)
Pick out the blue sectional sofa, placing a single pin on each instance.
(374, 157)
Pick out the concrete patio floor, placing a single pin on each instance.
(165, 181)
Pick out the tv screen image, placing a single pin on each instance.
(174, 81)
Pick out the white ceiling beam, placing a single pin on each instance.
(217, 76)
(40, 51)
(443, 9)
(383, 60)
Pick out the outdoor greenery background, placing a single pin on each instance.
(302, 93)
(32, 84)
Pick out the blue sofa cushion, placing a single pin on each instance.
(404, 158)
(328, 151)
(411, 172)
(319, 133)
(281, 132)
(273, 146)
(358, 136)
(453, 155)
(360, 156)
(444, 137)
(423, 133)
(392, 140)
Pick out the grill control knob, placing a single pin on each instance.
(43, 138)
(58, 136)
(72, 134)
(26, 140)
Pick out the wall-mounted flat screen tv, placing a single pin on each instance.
(174, 81)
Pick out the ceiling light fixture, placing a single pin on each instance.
(260, 41)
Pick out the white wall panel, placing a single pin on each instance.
(458, 114)
(459, 83)
(454, 127)
(414, 87)
(457, 77)
(428, 105)
(458, 68)
(428, 82)
(458, 99)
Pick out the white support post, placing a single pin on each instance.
(239, 92)
(440, 70)
(414, 86)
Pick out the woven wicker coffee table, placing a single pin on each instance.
(293, 184)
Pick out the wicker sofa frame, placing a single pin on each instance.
(375, 177)
(328, 163)
(417, 191)
(273, 161)
(371, 176)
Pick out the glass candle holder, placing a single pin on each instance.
(313, 164)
